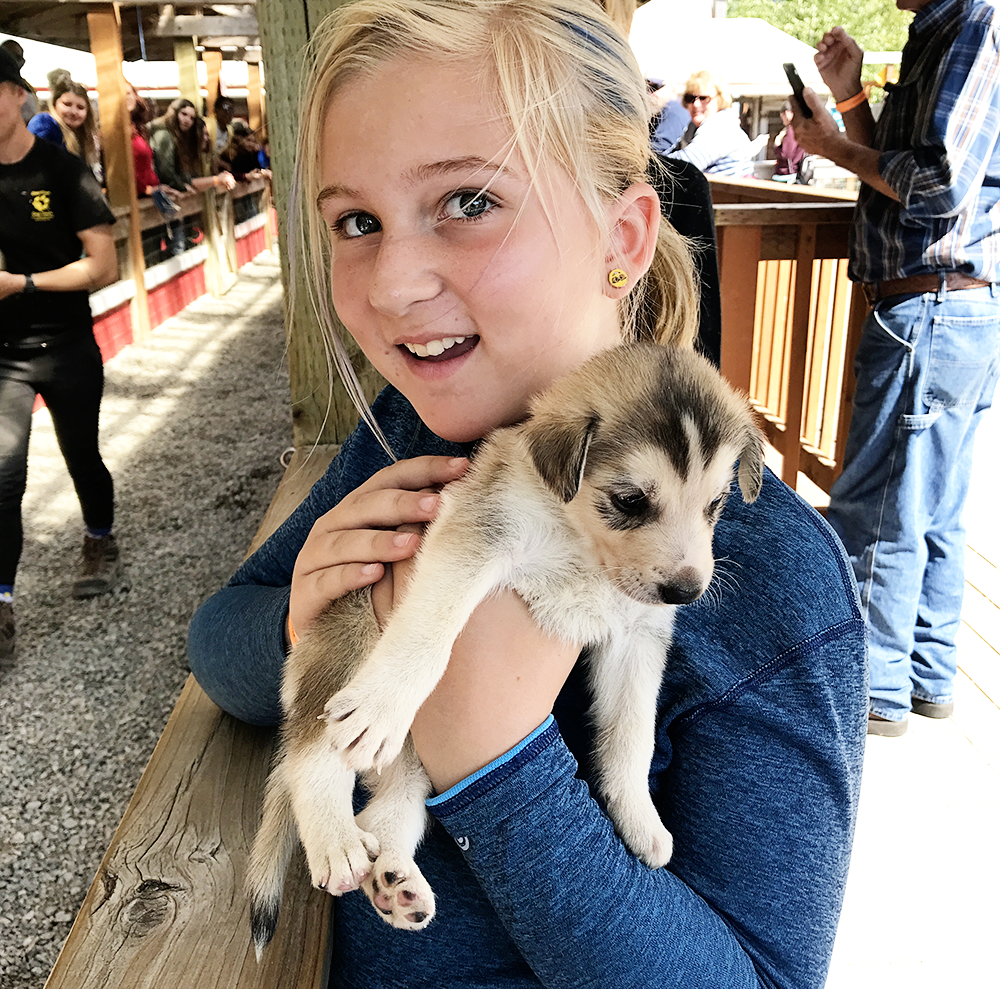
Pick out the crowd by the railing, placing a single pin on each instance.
(175, 155)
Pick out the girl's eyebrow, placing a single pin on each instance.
(422, 173)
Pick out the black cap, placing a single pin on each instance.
(10, 71)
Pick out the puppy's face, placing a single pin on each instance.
(648, 526)
(640, 444)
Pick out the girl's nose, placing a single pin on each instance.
(404, 274)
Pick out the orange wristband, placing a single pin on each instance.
(292, 637)
(856, 100)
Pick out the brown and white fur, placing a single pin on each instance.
(599, 510)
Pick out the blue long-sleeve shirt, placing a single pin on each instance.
(756, 772)
(939, 134)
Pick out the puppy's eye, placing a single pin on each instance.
(714, 510)
(630, 503)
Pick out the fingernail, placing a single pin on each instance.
(457, 461)
(429, 503)
(401, 538)
(369, 568)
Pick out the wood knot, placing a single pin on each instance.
(148, 907)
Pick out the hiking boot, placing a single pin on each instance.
(8, 638)
(101, 567)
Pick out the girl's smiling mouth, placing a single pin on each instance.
(445, 349)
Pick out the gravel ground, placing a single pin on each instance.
(192, 427)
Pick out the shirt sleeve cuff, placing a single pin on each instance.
(510, 756)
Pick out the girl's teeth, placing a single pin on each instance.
(433, 348)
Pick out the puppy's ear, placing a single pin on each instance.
(559, 451)
(751, 471)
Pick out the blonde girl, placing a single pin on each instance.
(71, 122)
(471, 175)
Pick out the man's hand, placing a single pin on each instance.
(839, 59)
(10, 284)
(818, 134)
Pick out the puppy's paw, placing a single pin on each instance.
(341, 862)
(399, 892)
(367, 726)
(639, 826)
(654, 846)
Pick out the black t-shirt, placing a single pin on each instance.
(46, 198)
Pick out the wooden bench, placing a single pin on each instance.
(166, 908)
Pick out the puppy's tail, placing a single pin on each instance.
(272, 850)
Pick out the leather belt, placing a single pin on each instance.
(954, 281)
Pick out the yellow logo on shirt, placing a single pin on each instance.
(41, 201)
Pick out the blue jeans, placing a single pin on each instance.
(926, 370)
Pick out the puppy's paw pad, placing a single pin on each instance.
(400, 894)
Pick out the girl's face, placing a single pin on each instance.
(185, 118)
(469, 302)
(72, 110)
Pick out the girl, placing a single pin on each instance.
(472, 172)
(176, 147)
(71, 123)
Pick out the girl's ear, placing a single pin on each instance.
(634, 222)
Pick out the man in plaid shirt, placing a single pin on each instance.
(925, 247)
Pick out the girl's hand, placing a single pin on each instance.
(351, 545)
(839, 59)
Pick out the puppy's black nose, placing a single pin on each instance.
(684, 588)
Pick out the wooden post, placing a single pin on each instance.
(105, 28)
(797, 352)
(739, 253)
(255, 102)
(213, 63)
(187, 69)
(321, 410)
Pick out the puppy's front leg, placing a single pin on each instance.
(397, 816)
(321, 788)
(625, 679)
(369, 719)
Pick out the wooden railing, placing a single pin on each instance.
(790, 316)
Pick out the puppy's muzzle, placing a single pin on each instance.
(683, 588)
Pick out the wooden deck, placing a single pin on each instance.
(922, 908)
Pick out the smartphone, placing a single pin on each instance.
(797, 85)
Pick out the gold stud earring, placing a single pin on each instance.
(617, 278)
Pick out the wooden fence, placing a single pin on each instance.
(790, 317)
(222, 232)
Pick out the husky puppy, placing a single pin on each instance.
(599, 510)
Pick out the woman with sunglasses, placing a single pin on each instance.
(714, 140)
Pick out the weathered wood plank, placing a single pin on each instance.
(167, 906)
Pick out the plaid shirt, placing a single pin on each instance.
(939, 132)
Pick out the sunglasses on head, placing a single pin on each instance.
(690, 98)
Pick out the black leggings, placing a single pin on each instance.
(70, 380)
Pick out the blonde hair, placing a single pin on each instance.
(81, 142)
(701, 82)
(567, 81)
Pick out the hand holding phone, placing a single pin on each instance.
(795, 81)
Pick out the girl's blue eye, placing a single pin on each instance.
(467, 205)
(358, 225)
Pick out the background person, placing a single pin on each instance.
(176, 140)
(925, 246)
(431, 223)
(57, 243)
(788, 152)
(714, 141)
(71, 124)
